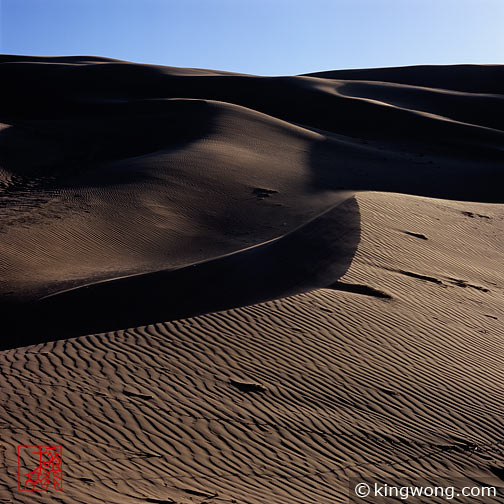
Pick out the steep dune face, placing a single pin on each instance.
(310, 268)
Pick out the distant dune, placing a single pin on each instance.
(278, 284)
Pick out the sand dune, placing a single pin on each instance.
(281, 285)
(465, 78)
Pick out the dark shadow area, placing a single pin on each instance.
(420, 277)
(416, 235)
(480, 109)
(53, 149)
(438, 167)
(364, 290)
(314, 255)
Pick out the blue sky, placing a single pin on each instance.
(265, 37)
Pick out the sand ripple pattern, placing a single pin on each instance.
(284, 401)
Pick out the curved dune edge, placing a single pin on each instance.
(314, 255)
(284, 401)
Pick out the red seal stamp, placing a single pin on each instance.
(40, 467)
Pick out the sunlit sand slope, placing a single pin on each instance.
(398, 381)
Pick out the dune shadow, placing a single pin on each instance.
(41, 152)
(315, 255)
(440, 161)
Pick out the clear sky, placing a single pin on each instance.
(266, 37)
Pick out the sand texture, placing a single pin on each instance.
(223, 288)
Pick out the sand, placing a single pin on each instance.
(230, 288)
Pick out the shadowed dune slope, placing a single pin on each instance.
(110, 169)
(324, 249)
